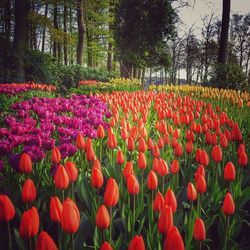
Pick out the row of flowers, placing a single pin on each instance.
(165, 173)
(15, 88)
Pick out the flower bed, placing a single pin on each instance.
(15, 88)
(168, 171)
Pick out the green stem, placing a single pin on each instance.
(199, 205)
(101, 151)
(63, 195)
(72, 242)
(9, 235)
(59, 236)
(30, 243)
(163, 184)
(200, 244)
(110, 214)
(72, 189)
(226, 232)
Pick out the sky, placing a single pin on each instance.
(193, 15)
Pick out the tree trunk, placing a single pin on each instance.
(56, 26)
(81, 32)
(7, 20)
(89, 48)
(20, 36)
(222, 57)
(110, 57)
(65, 45)
(44, 29)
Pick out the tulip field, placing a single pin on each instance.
(159, 169)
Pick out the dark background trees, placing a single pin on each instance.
(132, 38)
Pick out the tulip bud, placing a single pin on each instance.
(133, 184)
(174, 169)
(55, 155)
(229, 172)
(201, 185)
(7, 210)
(217, 154)
(61, 178)
(137, 243)
(106, 246)
(100, 132)
(80, 142)
(199, 230)
(170, 200)
(71, 170)
(28, 191)
(158, 202)
(102, 218)
(55, 209)
(174, 240)
(111, 194)
(25, 163)
(152, 180)
(191, 192)
(44, 241)
(96, 178)
(165, 221)
(228, 204)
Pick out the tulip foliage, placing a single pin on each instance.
(124, 170)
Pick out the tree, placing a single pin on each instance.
(19, 42)
(222, 57)
(81, 31)
(152, 20)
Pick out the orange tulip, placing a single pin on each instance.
(70, 218)
(90, 153)
(112, 142)
(228, 204)
(96, 178)
(44, 242)
(128, 169)
(165, 221)
(200, 171)
(61, 178)
(29, 223)
(170, 200)
(55, 155)
(119, 157)
(71, 170)
(137, 243)
(7, 210)
(189, 147)
(97, 164)
(142, 162)
(131, 144)
(158, 202)
(201, 185)
(133, 184)
(55, 209)
(174, 169)
(162, 168)
(102, 218)
(199, 230)
(191, 192)
(142, 146)
(100, 132)
(111, 194)
(25, 163)
(28, 191)
(152, 180)
(178, 150)
(80, 142)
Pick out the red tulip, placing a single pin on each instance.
(142, 146)
(70, 218)
(217, 154)
(228, 204)
(7, 210)
(201, 185)
(28, 191)
(29, 223)
(90, 153)
(133, 184)
(55, 209)
(241, 149)
(106, 246)
(71, 170)
(165, 221)
(243, 159)
(142, 163)
(223, 141)
(152, 180)
(150, 144)
(111, 194)
(174, 169)
(100, 132)
(204, 160)
(45, 242)
(174, 240)
(128, 169)
(229, 172)
(25, 163)
(200, 171)
(97, 164)
(102, 218)
(112, 142)
(199, 230)
(137, 243)
(96, 178)
(55, 155)
(178, 150)
(80, 142)
(158, 202)
(191, 192)
(131, 144)
(160, 143)
(155, 151)
(170, 200)
(162, 167)
(189, 147)
(119, 157)
(61, 178)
